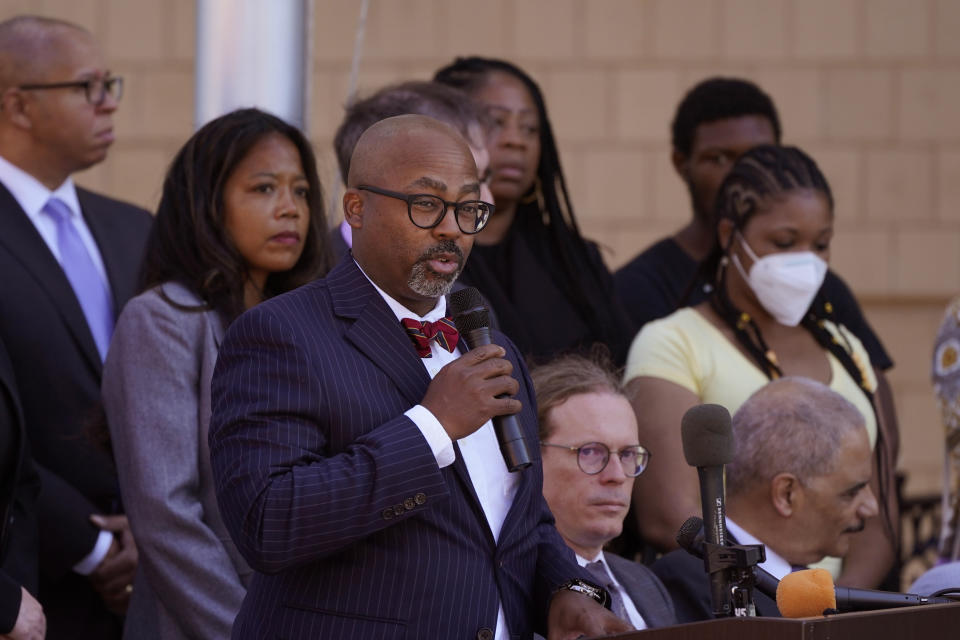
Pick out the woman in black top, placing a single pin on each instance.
(547, 284)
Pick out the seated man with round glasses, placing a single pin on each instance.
(588, 437)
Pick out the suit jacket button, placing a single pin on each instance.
(420, 498)
(409, 504)
(484, 634)
(398, 509)
(388, 514)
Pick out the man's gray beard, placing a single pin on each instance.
(428, 283)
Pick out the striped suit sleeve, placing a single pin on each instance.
(284, 498)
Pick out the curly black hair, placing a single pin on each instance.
(718, 99)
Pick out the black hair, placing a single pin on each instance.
(718, 99)
(188, 242)
(433, 99)
(760, 177)
(547, 211)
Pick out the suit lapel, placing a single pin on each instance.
(640, 591)
(23, 241)
(375, 331)
(377, 334)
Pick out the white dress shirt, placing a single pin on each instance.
(32, 195)
(635, 618)
(774, 564)
(493, 482)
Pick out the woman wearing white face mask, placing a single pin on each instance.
(763, 321)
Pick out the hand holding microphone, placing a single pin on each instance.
(473, 322)
(468, 391)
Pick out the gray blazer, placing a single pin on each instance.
(645, 589)
(156, 392)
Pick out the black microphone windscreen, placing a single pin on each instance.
(466, 308)
(707, 436)
(688, 533)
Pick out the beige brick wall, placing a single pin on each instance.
(870, 87)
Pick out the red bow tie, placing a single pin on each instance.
(421, 333)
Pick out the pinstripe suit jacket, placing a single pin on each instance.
(334, 496)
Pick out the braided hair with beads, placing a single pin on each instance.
(767, 173)
(547, 211)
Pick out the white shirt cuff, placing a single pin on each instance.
(440, 443)
(89, 564)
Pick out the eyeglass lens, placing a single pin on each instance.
(594, 456)
(427, 211)
(98, 88)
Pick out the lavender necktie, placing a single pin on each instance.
(91, 290)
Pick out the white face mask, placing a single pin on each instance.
(785, 283)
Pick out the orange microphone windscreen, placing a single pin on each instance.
(805, 594)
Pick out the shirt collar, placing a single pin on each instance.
(584, 562)
(438, 311)
(31, 194)
(774, 564)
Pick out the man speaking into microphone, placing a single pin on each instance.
(798, 484)
(351, 441)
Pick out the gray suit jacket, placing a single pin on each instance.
(156, 392)
(645, 589)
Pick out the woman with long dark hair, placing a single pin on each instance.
(240, 220)
(548, 285)
(763, 320)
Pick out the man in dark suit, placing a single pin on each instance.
(69, 259)
(799, 484)
(355, 460)
(591, 456)
(21, 616)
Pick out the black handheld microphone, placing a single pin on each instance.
(473, 322)
(708, 445)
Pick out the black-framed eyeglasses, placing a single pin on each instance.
(96, 89)
(427, 210)
(592, 458)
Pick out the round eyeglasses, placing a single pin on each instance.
(427, 210)
(96, 89)
(592, 458)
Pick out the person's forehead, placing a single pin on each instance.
(740, 133)
(72, 52)
(504, 91)
(443, 161)
(597, 417)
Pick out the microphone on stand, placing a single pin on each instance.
(808, 593)
(473, 322)
(708, 445)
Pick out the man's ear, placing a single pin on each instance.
(353, 208)
(786, 493)
(13, 106)
(681, 164)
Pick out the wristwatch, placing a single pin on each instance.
(596, 592)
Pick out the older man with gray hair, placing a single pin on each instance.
(799, 484)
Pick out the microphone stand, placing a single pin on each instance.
(739, 562)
